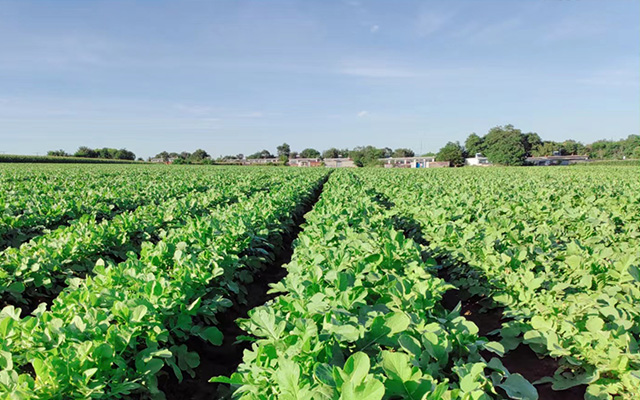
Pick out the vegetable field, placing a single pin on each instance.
(196, 282)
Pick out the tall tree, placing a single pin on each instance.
(452, 152)
(386, 152)
(57, 153)
(331, 153)
(124, 154)
(284, 151)
(366, 156)
(309, 153)
(504, 145)
(474, 145)
(403, 153)
(199, 156)
(530, 141)
(86, 152)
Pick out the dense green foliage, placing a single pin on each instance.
(359, 317)
(128, 263)
(108, 334)
(10, 158)
(557, 248)
(452, 152)
(104, 153)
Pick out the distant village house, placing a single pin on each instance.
(413, 162)
(556, 160)
(478, 161)
(339, 163)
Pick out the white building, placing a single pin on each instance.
(339, 163)
(479, 161)
(406, 162)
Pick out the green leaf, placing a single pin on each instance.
(357, 367)
(635, 272)
(288, 375)
(38, 366)
(397, 322)
(324, 373)
(410, 344)
(594, 324)
(540, 324)
(16, 287)
(138, 313)
(213, 335)
(373, 389)
(396, 365)
(495, 347)
(573, 261)
(348, 333)
(519, 388)
(152, 367)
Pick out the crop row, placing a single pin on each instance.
(108, 335)
(558, 249)
(27, 207)
(359, 316)
(39, 268)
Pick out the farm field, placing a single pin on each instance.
(197, 282)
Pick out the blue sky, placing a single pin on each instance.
(239, 76)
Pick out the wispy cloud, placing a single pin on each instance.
(381, 69)
(615, 77)
(363, 113)
(252, 114)
(429, 22)
(575, 28)
(195, 109)
(379, 72)
(374, 28)
(488, 32)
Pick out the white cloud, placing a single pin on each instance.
(363, 113)
(575, 28)
(194, 109)
(429, 23)
(375, 28)
(379, 72)
(618, 77)
(253, 114)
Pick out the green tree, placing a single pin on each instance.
(124, 154)
(474, 145)
(309, 153)
(366, 156)
(261, 154)
(546, 148)
(163, 155)
(199, 156)
(283, 151)
(58, 153)
(403, 153)
(85, 152)
(386, 152)
(530, 141)
(331, 153)
(504, 145)
(453, 153)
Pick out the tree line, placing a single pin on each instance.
(105, 153)
(197, 157)
(506, 145)
(362, 155)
